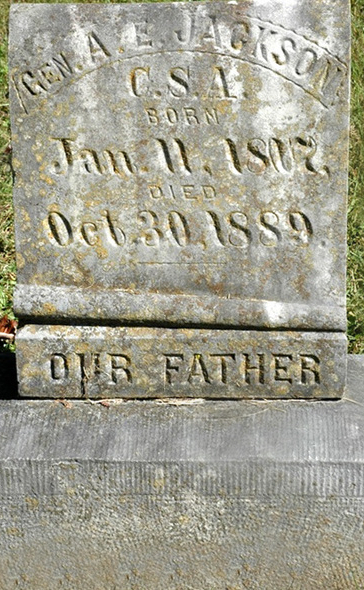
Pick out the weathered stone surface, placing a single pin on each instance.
(65, 361)
(183, 163)
(204, 495)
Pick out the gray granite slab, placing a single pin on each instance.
(90, 361)
(181, 163)
(183, 494)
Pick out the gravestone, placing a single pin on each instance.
(180, 186)
(180, 183)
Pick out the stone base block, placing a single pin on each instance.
(96, 362)
(183, 494)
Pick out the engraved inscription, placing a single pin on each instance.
(110, 368)
(97, 49)
(275, 155)
(188, 115)
(60, 232)
(245, 39)
(224, 368)
(59, 368)
(180, 148)
(182, 192)
(242, 369)
(89, 161)
(180, 180)
(237, 229)
(38, 82)
(282, 155)
(146, 362)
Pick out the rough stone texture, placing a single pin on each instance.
(183, 163)
(184, 495)
(65, 361)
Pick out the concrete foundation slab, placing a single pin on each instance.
(183, 494)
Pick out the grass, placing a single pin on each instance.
(355, 278)
(7, 249)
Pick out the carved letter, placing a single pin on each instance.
(152, 116)
(233, 155)
(50, 73)
(243, 236)
(66, 150)
(253, 369)
(179, 81)
(211, 32)
(97, 48)
(62, 65)
(139, 81)
(211, 116)
(208, 191)
(281, 155)
(280, 367)
(155, 191)
(306, 62)
(310, 369)
(60, 228)
(89, 233)
(120, 370)
(172, 115)
(263, 37)
(223, 365)
(270, 235)
(168, 158)
(170, 359)
(59, 367)
(32, 85)
(285, 57)
(328, 81)
(142, 36)
(91, 161)
(301, 226)
(240, 35)
(260, 162)
(198, 370)
(117, 235)
(219, 87)
(185, 34)
(191, 116)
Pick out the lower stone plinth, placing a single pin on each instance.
(134, 362)
(183, 495)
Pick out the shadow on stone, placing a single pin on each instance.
(8, 381)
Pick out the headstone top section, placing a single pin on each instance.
(231, 29)
(172, 153)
